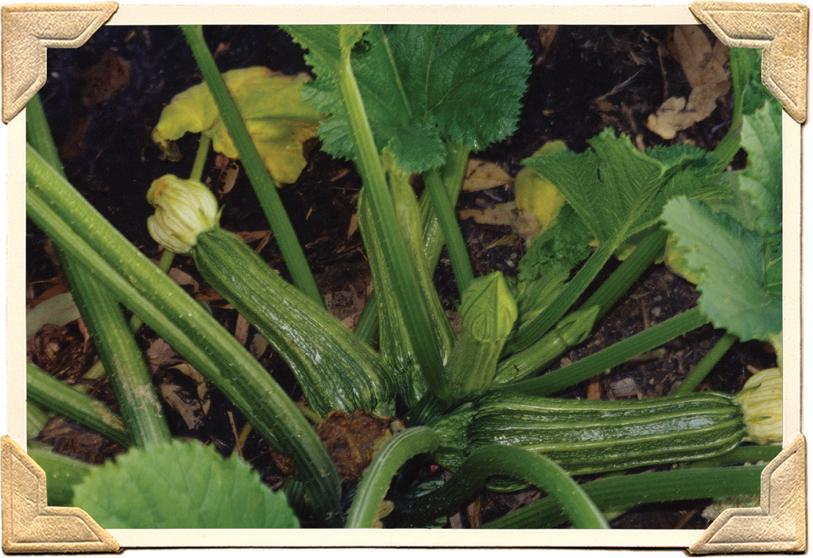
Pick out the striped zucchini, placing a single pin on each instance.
(335, 369)
(597, 436)
(587, 437)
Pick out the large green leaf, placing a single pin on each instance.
(611, 186)
(738, 269)
(421, 85)
(181, 485)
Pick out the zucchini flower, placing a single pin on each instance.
(183, 210)
(761, 403)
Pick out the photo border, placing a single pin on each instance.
(791, 462)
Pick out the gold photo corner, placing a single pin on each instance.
(30, 525)
(778, 524)
(780, 31)
(29, 30)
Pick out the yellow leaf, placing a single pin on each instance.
(536, 195)
(270, 103)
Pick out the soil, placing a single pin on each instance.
(103, 99)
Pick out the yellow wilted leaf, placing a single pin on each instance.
(270, 103)
(536, 195)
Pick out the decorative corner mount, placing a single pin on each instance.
(30, 525)
(779, 524)
(780, 30)
(28, 31)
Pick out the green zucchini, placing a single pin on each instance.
(334, 369)
(598, 436)
(586, 437)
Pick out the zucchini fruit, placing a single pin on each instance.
(587, 437)
(334, 369)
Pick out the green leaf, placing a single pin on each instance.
(421, 85)
(737, 268)
(758, 187)
(181, 485)
(610, 186)
(271, 104)
(547, 264)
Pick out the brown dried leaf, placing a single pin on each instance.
(159, 354)
(184, 279)
(703, 63)
(499, 214)
(105, 79)
(482, 175)
(241, 329)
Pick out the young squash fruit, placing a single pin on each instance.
(335, 369)
(586, 437)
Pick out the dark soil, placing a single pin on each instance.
(103, 99)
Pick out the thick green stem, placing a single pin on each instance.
(533, 330)
(79, 229)
(740, 455)
(118, 351)
(489, 461)
(35, 420)
(622, 492)
(261, 181)
(375, 483)
(405, 281)
(456, 244)
(706, 364)
(120, 355)
(453, 172)
(61, 473)
(611, 356)
(61, 399)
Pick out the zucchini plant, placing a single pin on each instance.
(406, 105)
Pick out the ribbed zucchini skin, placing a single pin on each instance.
(586, 436)
(335, 369)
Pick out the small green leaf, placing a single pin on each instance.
(737, 269)
(758, 187)
(181, 485)
(271, 104)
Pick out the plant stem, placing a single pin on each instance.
(489, 461)
(622, 492)
(533, 359)
(453, 173)
(706, 364)
(35, 420)
(61, 473)
(534, 330)
(121, 357)
(113, 339)
(60, 398)
(619, 282)
(445, 214)
(79, 229)
(739, 455)
(375, 483)
(404, 274)
(200, 158)
(611, 356)
(261, 181)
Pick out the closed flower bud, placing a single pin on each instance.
(183, 210)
